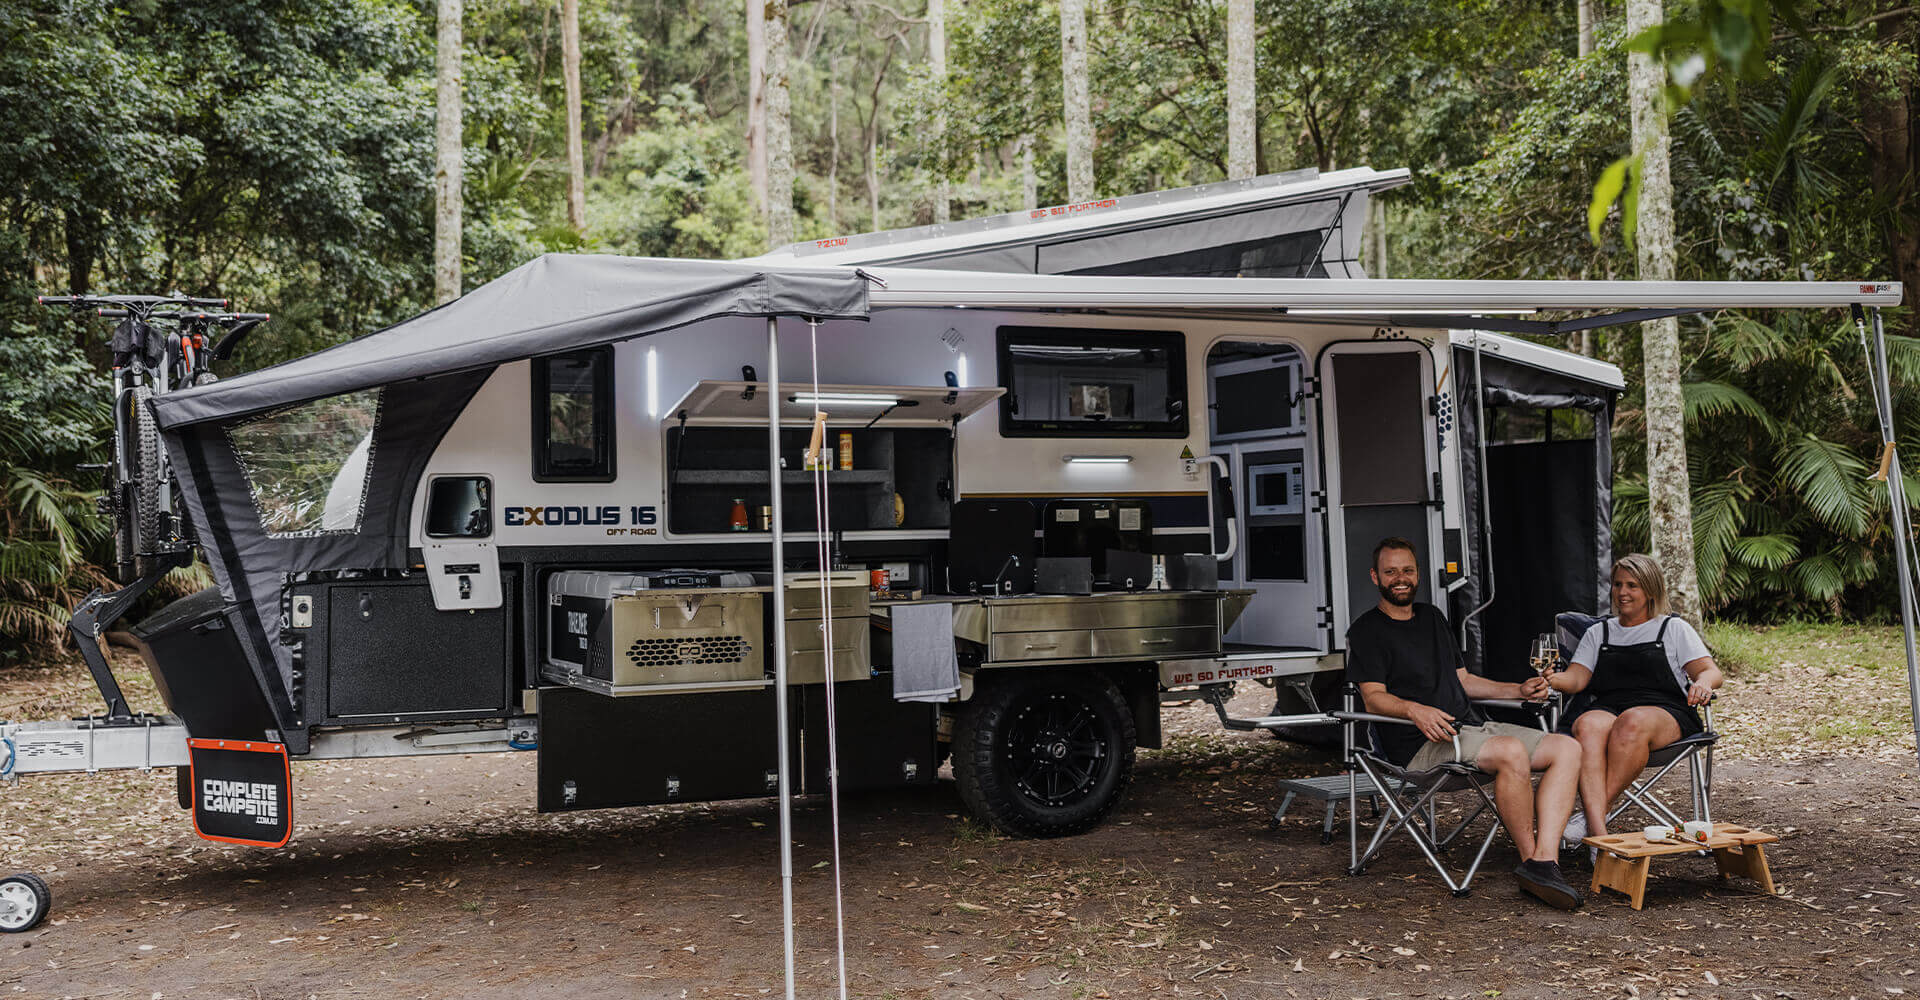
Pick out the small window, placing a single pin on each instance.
(307, 466)
(460, 507)
(1092, 383)
(573, 417)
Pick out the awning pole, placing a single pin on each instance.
(1897, 502)
(778, 532)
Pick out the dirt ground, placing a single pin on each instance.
(435, 878)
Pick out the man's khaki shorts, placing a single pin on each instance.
(1472, 738)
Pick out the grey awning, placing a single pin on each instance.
(555, 303)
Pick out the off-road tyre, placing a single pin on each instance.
(1043, 753)
(25, 900)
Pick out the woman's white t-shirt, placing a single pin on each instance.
(1683, 643)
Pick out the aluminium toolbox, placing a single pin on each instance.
(612, 634)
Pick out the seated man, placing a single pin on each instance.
(1403, 657)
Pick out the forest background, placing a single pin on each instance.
(281, 152)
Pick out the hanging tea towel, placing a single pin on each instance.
(924, 665)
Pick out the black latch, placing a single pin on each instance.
(747, 373)
(1326, 615)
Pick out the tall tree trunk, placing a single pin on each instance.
(757, 101)
(1376, 237)
(833, 159)
(1669, 501)
(1589, 13)
(873, 179)
(937, 59)
(779, 129)
(1240, 89)
(1029, 180)
(1073, 78)
(1893, 160)
(447, 168)
(576, 156)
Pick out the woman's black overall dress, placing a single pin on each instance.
(1631, 676)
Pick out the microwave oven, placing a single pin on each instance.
(1277, 488)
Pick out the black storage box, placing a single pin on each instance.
(194, 653)
(1064, 575)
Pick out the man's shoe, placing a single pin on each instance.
(1576, 829)
(1542, 881)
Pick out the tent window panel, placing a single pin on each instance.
(1510, 425)
(308, 466)
(573, 417)
(1092, 383)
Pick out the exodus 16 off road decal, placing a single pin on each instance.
(242, 792)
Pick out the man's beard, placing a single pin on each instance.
(1393, 598)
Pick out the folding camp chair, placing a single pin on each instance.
(1695, 751)
(1410, 797)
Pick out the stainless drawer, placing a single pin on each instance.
(803, 600)
(1155, 642)
(847, 594)
(852, 651)
(1132, 611)
(1067, 645)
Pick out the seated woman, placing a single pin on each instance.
(1643, 671)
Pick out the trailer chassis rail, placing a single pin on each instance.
(147, 741)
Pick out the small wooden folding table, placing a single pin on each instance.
(1625, 858)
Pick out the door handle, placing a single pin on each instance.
(1154, 642)
(1233, 514)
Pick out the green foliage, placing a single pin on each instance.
(679, 188)
(281, 153)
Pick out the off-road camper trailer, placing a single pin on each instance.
(572, 513)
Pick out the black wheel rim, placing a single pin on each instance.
(1057, 749)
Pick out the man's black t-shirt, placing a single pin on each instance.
(1417, 660)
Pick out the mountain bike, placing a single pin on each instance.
(162, 344)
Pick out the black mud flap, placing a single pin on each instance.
(242, 792)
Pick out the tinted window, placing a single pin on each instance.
(460, 507)
(573, 417)
(1092, 383)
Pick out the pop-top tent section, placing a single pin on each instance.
(311, 465)
(1298, 224)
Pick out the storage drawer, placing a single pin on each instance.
(852, 651)
(846, 597)
(1066, 645)
(1155, 642)
(1105, 612)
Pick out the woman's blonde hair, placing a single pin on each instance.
(1648, 575)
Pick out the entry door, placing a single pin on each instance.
(1382, 447)
(1261, 430)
